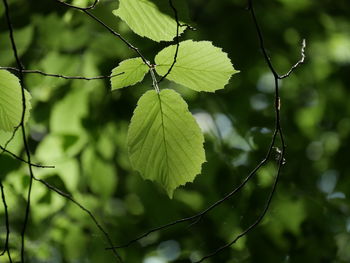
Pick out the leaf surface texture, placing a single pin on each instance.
(146, 20)
(165, 142)
(11, 106)
(199, 65)
(134, 71)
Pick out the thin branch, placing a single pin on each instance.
(28, 71)
(11, 36)
(263, 162)
(178, 25)
(261, 39)
(7, 224)
(212, 206)
(301, 60)
(258, 220)
(29, 157)
(86, 11)
(263, 49)
(118, 36)
(20, 69)
(197, 217)
(26, 147)
(4, 150)
(278, 130)
(79, 8)
(70, 198)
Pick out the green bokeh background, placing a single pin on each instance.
(80, 127)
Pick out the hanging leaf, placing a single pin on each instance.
(146, 20)
(11, 106)
(199, 66)
(134, 71)
(165, 142)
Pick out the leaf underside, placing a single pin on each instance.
(134, 70)
(199, 65)
(11, 106)
(146, 20)
(165, 143)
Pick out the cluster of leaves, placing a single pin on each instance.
(165, 143)
(82, 129)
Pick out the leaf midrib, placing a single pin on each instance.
(163, 130)
(194, 69)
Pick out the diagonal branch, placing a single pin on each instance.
(211, 207)
(178, 25)
(119, 36)
(31, 71)
(70, 198)
(79, 8)
(301, 60)
(277, 131)
(7, 224)
(26, 147)
(116, 34)
(20, 66)
(4, 150)
(257, 221)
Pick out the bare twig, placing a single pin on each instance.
(119, 36)
(29, 71)
(70, 198)
(80, 8)
(301, 60)
(259, 219)
(4, 150)
(278, 130)
(20, 70)
(211, 207)
(26, 147)
(86, 11)
(7, 224)
(178, 25)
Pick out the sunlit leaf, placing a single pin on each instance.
(199, 66)
(133, 70)
(11, 105)
(146, 20)
(165, 142)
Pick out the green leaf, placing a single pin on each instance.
(134, 71)
(11, 107)
(199, 66)
(145, 19)
(165, 142)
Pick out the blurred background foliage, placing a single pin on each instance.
(80, 127)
